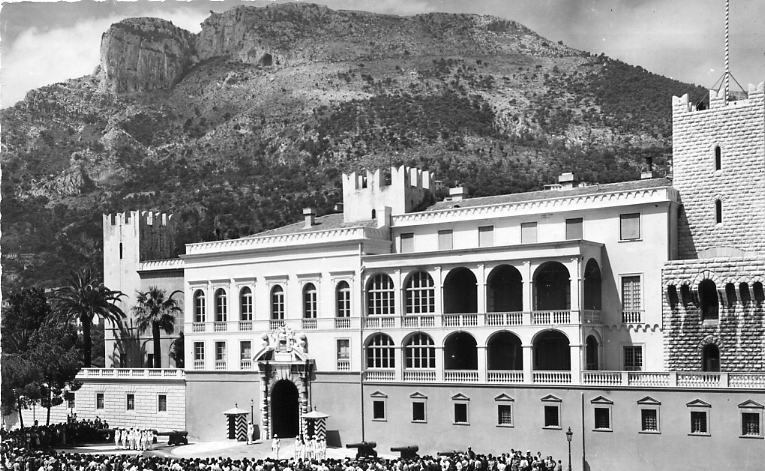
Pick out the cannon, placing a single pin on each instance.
(447, 453)
(176, 437)
(364, 449)
(407, 452)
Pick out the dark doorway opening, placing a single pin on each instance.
(460, 352)
(284, 409)
(504, 352)
(460, 292)
(711, 360)
(591, 353)
(551, 351)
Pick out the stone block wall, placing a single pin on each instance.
(738, 128)
(739, 333)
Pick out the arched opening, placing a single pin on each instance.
(686, 296)
(380, 296)
(220, 305)
(743, 293)
(672, 296)
(718, 158)
(718, 211)
(420, 294)
(460, 291)
(730, 295)
(504, 352)
(284, 409)
(708, 300)
(309, 301)
(591, 353)
(460, 352)
(504, 290)
(199, 306)
(420, 352)
(592, 284)
(277, 303)
(343, 298)
(267, 60)
(551, 351)
(245, 304)
(374, 214)
(552, 290)
(710, 358)
(759, 293)
(381, 352)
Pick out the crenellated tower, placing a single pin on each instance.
(366, 196)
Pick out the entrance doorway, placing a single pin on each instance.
(284, 409)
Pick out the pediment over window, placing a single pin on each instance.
(460, 397)
(503, 397)
(649, 401)
(551, 398)
(698, 403)
(601, 400)
(418, 395)
(378, 394)
(750, 404)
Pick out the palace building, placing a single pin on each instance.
(631, 312)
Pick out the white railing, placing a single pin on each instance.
(504, 376)
(380, 375)
(198, 327)
(461, 376)
(245, 325)
(219, 326)
(551, 377)
(503, 318)
(746, 380)
(342, 322)
(343, 365)
(309, 324)
(274, 324)
(220, 364)
(632, 317)
(699, 380)
(418, 320)
(199, 364)
(420, 376)
(551, 317)
(245, 364)
(459, 320)
(130, 373)
(378, 322)
(602, 378)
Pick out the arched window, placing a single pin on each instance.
(552, 288)
(245, 304)
(551, 351)
(592, 285)
(710, 358)
(309, 301)
(504, 290)
(277, 303)
(708, 300)
(743, 293)
(420, 351)
(381, 352)
(718, 212)
(343, 296)
(460, 352)
(221, 306)
(460, 291)
(759, 293)
(199, 306)
(420, 295)
(672, 296)
(718, 158)
(504, 352)
(730, 295)
(380, 296)
(591, 353)
(374, 214)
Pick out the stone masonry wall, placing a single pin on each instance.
(739, 333)
(739, 129)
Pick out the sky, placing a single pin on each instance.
(44, 43)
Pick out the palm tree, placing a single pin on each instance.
(153, 310)
(85, 298)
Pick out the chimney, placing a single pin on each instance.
(309, 214)
(566, 180)
(457, 193)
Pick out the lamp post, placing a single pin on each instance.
(569, 435)
(252, 410)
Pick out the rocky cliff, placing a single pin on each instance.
(143, 54)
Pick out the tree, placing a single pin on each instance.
(85, 298)
(19, 383)
(26, 312)
(154, 311)
(177, 350)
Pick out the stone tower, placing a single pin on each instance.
(367, 196)
(131, 238)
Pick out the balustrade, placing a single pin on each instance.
(219, 326)
(199, 364)
(245, 364)
(504, 376)
(551, 377)
(602, 378)
(130, 373)
(631, 317)
(198, 327)
(342, 323)
(380, 375)
(220, 364)
(274, 324)
(698, 380)
(245, 325)
(644, 378)
(309, 324)
(412, 320)
(343, 365)
(459, 320)
(420, 376)
(461, 376)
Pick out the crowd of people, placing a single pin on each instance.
(134, 439)
(69, 433)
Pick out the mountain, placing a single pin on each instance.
(237, 128)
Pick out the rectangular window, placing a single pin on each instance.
(528, 233)
(633, 357)
(162, 403)
(378, 410)
(486, 236)
(629, 226)
(574, 229)
(130, 402)
(602, 418)
(750, 424)
(418, 411)
(245, 350)
(552, 418)
(631, 293)
(407, 242)
(220, 351)
(649, 420)
(460, 413)
(199, 351)
(343, 349)
(99, 400)
(504, 414)
(699, 422)
(445, 240)
(69, 400)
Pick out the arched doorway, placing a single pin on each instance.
(551, 351)
(284, 409)
(460, 352)
(504, 352)
(460, 292)
(591, 353)
(711, 358)
(504, 290)
(592, 283)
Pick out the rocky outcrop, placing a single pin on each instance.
(143, 54)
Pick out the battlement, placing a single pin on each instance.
(755, 96)
(366, 195)
(139, 235)
(147, 218)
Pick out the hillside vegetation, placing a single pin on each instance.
(239, 145)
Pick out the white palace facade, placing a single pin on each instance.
(631, 312)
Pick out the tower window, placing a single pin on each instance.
(718, 158)
(120, 250)
(718, 211)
